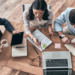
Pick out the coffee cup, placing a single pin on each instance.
(4, 43)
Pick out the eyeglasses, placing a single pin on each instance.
(31, 62)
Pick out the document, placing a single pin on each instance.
(45, 42)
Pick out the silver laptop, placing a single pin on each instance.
(57, 63)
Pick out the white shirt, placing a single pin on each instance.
(36, 21)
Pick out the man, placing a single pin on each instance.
(67, 16)
(8, 26)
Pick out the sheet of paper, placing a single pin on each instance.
(45, 42)
(70, 47)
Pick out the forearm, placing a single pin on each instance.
(60, 33)
(49, 27)
(30, 35)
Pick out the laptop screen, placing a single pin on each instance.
(59, 72)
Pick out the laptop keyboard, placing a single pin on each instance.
(57, 73)
(56, 62)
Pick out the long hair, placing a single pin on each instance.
(38, 5)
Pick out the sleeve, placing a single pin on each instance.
(50, 21)
(59, 21)
(26, 22)
(7, 24)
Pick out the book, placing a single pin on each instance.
(70, 47)
(45, 42)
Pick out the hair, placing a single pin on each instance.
(38, 5)
(72, 16)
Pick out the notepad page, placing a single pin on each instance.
(70, 47)
(45, 42)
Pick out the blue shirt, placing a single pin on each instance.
(64, 17)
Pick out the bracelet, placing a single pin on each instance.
(32, 37)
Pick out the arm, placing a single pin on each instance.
(58, 23)
(27, 28)
(7, 24)
(58, 27)
(27, 23)
(50, 22)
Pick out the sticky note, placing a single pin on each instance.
(57, 46)
(44, 46)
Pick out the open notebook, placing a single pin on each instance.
(70, 47)
(45, 42)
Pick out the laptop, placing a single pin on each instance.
(57, 63)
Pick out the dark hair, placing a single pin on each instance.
(39, 5)
(72, 16)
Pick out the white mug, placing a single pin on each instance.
(5, 44)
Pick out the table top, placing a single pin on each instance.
(22, 63)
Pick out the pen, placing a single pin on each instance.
(21, 47)
(42, 49)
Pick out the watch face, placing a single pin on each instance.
(61, 36)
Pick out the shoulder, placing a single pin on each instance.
(51, 14)
(26, 12)
(69, 9)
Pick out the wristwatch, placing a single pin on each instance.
(62, 36)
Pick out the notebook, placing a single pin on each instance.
(45, 42)
(20, 50)
(70, 47)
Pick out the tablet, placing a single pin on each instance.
(17, 38)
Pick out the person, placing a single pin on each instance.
(37, 16)
(68, 16)
(9, 27)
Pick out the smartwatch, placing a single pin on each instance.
(62, 36)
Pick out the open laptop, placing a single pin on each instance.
(57, 63)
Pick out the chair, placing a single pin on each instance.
(26, 6)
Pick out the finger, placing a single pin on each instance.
(37, 43)
(66, 42)
(49, 34)
(0, 51)
(69, 42)
(52, 34)
(74, 45)
(1, 47)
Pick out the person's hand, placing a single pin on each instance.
(66, 40)
(1, 48)
(38, 43)
(73, 44)
(50, 32)
(15, 31)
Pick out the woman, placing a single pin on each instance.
(37, 16)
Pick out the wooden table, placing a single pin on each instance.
(22, 63)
